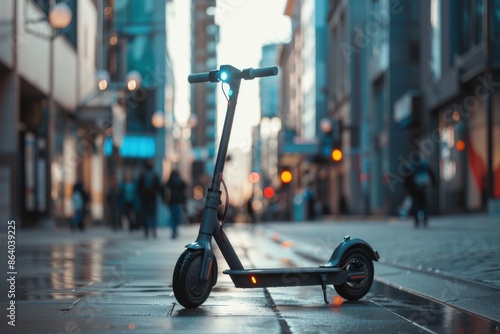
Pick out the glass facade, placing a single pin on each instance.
(496, 19)
(137, 27)
(471, 24)
(380, 40)
(435, 17)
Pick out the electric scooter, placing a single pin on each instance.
(350, 268)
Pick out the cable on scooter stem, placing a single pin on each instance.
(223, 235)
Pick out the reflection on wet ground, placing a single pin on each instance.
(74, 272)
(60, 271)
(428, 314)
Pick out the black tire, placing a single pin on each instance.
(188, 289)
(356, 259)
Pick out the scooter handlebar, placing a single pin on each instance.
(198, 77)
(251, 73)
(211, 76)
(247, 74)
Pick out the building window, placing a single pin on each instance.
(496, 19)
(435, 39)
(471, 18)
(380, 43)
(44, 5)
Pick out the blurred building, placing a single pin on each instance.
(270, 98)
(204, 39)
(133, 58)
(407, 81)
(460, 120)
(265, 144)
(66, 90)
(265, 135)
(303, 62)
(45, 71)
(347, 103)
(135, 45)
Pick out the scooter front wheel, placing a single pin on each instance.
(189, 290)
(356, 259)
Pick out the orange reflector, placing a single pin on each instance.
(337, 301)
(254, 281)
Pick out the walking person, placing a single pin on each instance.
(128, 191)
(174, 195)
(148, 188)
(114, 200)
(79, 200)
(417, 184)
(251, 212)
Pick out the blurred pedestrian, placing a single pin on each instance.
(114, 200)
(174, 195)
(416, 184)
(250, 210)
(129, 198)
(148, 188)
(343, 207)
(79, 200)
(311, 201)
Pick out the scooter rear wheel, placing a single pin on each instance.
(189, 290)
(356, 259)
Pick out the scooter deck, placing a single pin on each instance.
(278, 277)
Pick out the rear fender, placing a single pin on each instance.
(347, 244)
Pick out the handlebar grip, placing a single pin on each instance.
(199, 77)
(262, 72)
(212, 76)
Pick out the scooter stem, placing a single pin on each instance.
(209, 227)
(234, 88)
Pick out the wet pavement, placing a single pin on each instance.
(454, 260)
(105, 282)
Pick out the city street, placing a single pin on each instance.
(104, 282)
(305, 125)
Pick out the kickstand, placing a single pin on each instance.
(323, 286)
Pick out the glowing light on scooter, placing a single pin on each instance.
(223, 76)
(254, 281)
(337, 301)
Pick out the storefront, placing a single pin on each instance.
(465, 182)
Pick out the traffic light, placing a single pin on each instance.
(337, 155)
(268, 192)
(286, 176)
(330, 150)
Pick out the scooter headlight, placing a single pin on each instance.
(223, 76)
